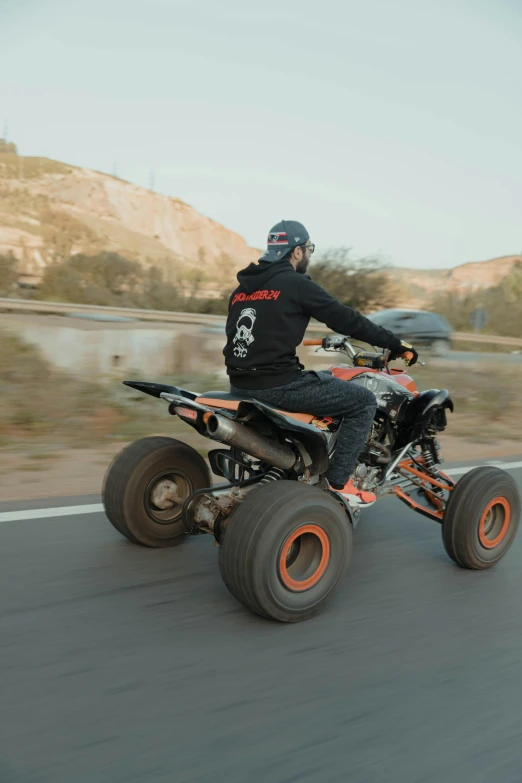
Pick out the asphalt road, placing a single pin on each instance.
(123, 665)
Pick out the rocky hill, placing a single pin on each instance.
(420, 285)
(49, 210)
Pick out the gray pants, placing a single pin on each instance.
(323, 395)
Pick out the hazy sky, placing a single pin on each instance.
(392, 126)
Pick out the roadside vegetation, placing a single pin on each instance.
(109, 279)
(362, 283)
(488, 403)
(503, 304)
(41, 404)
(44, 407)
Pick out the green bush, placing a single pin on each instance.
(9, 274)
(109, 279)
(361, 283)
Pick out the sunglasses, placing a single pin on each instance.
(310, 247)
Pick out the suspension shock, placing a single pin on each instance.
(431, 468)
(275, 474)
(427, 456)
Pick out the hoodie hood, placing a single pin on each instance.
(256, 276)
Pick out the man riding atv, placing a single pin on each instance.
(268, 316)
(299, 451)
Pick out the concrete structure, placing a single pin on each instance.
(104, 349)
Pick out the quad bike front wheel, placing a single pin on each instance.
(284, 549)
(481, 518)
(146, 485)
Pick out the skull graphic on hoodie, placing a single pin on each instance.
(244, 337)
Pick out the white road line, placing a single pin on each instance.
(43, 513)
(95, 508)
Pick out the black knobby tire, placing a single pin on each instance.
(139, 476)
(284, 549)
(481, 518)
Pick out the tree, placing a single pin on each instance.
(361, 283)
(158, 294)
(62, 233)
(111, 280)
(104, 279)
(9, 274)
(210, 306)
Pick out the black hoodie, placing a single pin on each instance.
(268, 315)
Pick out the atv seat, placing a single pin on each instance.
(224, 399)
(224, 395)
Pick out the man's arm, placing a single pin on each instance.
(319, 304)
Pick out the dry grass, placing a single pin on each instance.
(485, 347)
(488, 398)
(42, 409)
(12, 166)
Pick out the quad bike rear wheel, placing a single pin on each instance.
(146, 485)
(481, 518)
(284, 549)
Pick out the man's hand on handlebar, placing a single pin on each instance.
(336, 342)
(406, 352)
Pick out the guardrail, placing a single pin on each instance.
(487, 338)
(166, 316)
(65, 308)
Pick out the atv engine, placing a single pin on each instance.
(375, 451)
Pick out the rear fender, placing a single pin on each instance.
(427, 409)
(435, 398)
(157, 389)
(182, 403)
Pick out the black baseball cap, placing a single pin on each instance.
(284, 236)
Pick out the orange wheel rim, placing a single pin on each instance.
(303, 570)
(494, 522)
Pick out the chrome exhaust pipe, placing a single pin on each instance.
(249, 441)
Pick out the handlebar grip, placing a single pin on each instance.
(313, 342)
(408, 356)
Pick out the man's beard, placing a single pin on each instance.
(302, 265)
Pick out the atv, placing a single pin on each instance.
(284, 537)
